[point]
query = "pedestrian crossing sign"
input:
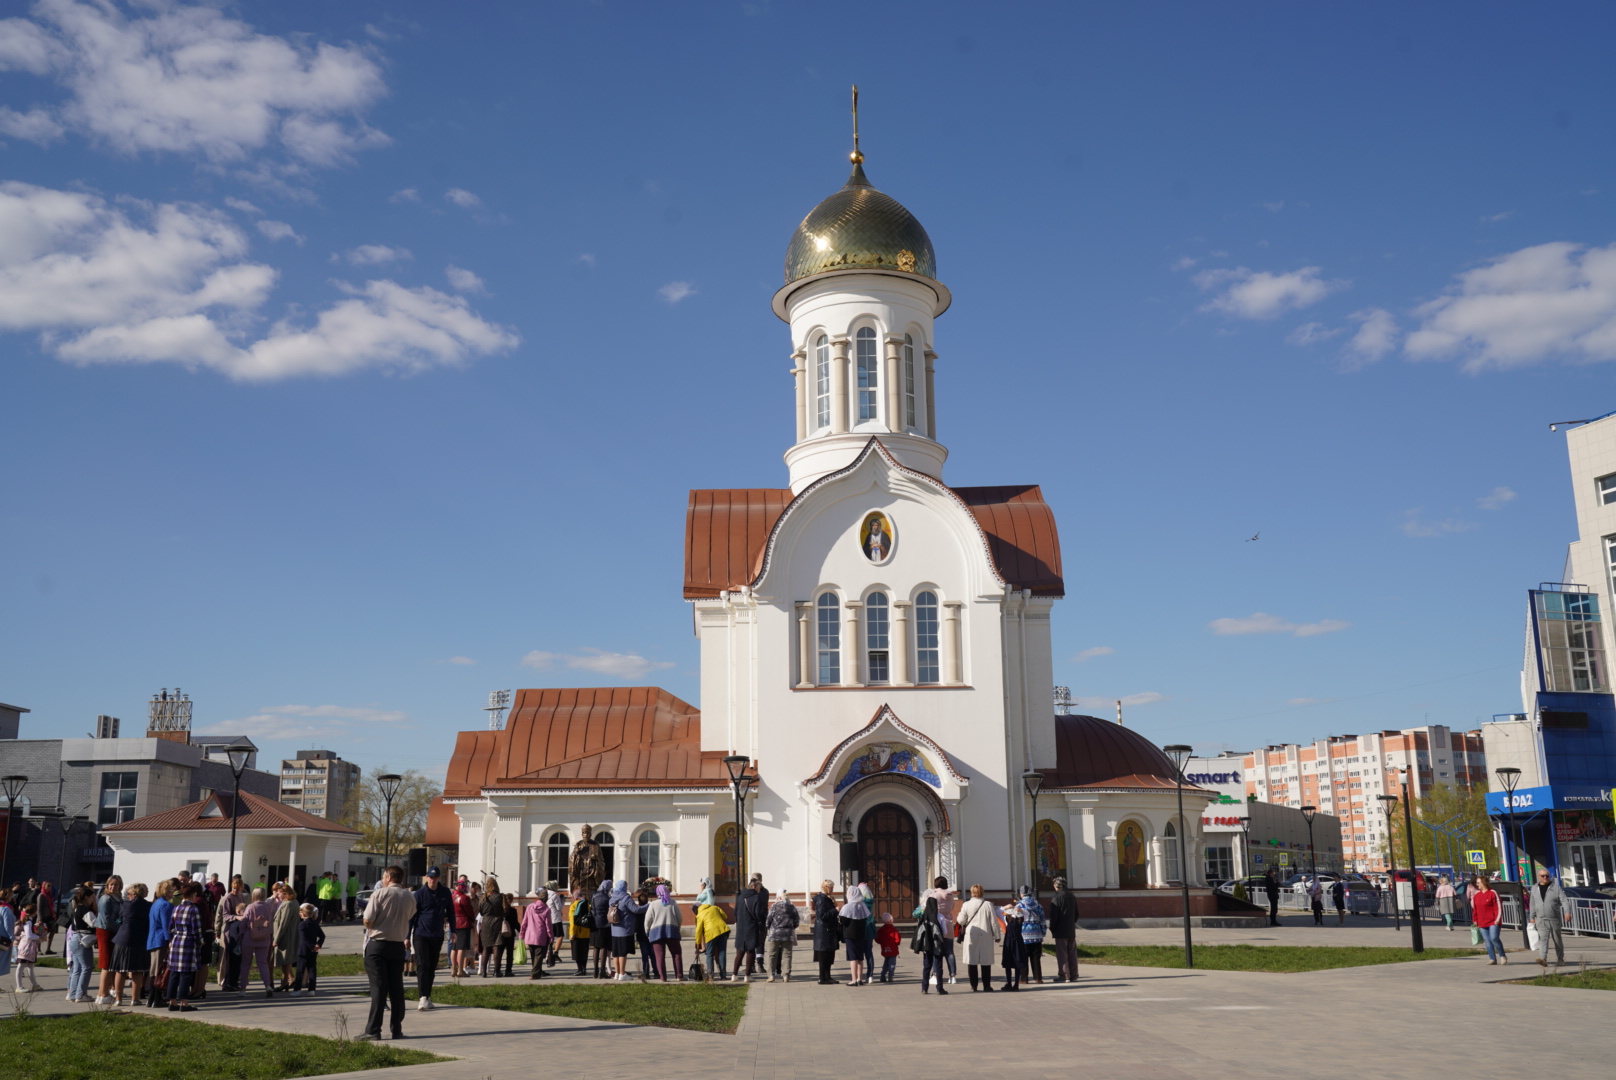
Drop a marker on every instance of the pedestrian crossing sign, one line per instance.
(1476, 858)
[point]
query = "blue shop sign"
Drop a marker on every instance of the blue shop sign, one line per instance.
(1551, 797)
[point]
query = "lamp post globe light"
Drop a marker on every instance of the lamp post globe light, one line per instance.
(239, 756)
(1308, 814)
(1388, 803)
(1032, 780)
(12, 785)
(738, 782)
(1179, 753)
(1511, 779)
(388, 785)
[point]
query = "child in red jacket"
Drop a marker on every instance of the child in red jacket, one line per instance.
(889, 939)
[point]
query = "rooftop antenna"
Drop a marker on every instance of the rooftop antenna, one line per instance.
(858, 155)
(1119, 711)
(498, 702)
(1063, 701)
(168, 716)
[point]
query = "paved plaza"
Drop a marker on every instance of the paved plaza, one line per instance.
(1132, 1023)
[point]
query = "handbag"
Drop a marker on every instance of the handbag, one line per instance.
(695, 973)
(519, 954)
(1475, 935)
(1532, 935)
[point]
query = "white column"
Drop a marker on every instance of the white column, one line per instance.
(893, 372)
(1108, 862)
(535, 869)
(898, 654)
(799, 373)
(851, 654)
(838, 385)
(952, 667)
(806, 641)
(931, 396)
(291, 863)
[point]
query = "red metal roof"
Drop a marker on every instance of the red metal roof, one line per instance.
(256, 812)
(442, 824)
(726, 532)
(1095, 753)
(635, 736)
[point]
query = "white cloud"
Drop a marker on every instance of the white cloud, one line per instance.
(462, 661)
(373, 255)
(35, 125)
(132, 282)
(675, 291)
(462, 198)
(327, 722)
(463, 281)
(587, 259)
(1149, 697)
(1538, 303)
(626, 666)
(1250, 294)
(1491, 219)
(1260, 622)
(1376, 336)
(279, 230)
(1496, 498)
(1306, 701)
(1184, 263)
(1415, 524)
(186, 79)
(1090, 654)
(405, 195)
(242, 204)
(1312, 333)
(1274, 207)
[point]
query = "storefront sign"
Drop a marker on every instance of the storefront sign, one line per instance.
(1234, 821)
(1213, 778)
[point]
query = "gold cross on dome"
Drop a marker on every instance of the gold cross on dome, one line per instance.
(857, 155)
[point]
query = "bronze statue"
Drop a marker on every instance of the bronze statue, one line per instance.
(587, 867)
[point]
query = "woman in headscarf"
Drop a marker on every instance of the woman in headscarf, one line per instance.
(712, 934)
(600, 938)
(1014, 956)
(259, 940)
(751, 919)
(490, 925)
(538, 932)
(781, 932)
(705, 894)
(870, 928)
(854, 918)
(827, 932)
(980, 932)
(628, 917)
(663, 923)
(1032, 934)
(287, 921)
(928, 942)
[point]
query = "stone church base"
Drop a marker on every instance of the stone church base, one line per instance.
(1100, 907)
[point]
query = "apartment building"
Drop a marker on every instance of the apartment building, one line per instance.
(1344, 775)
(319, 782)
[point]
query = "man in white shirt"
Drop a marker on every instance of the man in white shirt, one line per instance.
(388, 915)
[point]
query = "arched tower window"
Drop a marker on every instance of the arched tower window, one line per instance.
(876, 637)
(908, 380)
(556, 855)
(649, 856)
(822, 382)
(927, 651)
(869, 374)
(830, 624)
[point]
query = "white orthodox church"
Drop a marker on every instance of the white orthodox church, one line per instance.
(875, 644)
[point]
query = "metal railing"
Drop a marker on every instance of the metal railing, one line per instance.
(1593, 918)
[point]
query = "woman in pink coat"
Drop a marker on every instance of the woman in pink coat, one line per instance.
(537, 932)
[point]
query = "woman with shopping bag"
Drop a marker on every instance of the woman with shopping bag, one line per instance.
(537, 933)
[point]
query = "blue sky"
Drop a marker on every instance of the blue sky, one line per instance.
(354, 353)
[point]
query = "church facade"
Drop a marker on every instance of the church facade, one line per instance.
(875, 643)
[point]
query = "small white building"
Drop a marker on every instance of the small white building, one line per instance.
(273, 841)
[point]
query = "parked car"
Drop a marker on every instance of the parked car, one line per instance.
(1253, 884)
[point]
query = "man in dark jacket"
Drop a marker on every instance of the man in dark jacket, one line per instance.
(433, 921)
(751, 921)
(1063, 928)
(1271, 887)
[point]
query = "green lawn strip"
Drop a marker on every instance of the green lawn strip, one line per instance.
(692, 1006)
(1270, 958)
(95, 1045)
(1602, 979)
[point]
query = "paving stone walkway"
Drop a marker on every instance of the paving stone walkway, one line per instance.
(1124, 1023)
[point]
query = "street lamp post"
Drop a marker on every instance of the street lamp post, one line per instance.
(1032, 780)
(13, 786)
(1510, 778)
(388, 783)
(738, 782)
(1308, 814)
(1180, 753)
(238, 756)
(1414, 923)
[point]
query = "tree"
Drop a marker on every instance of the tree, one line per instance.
(1458, 809)
(368, 812)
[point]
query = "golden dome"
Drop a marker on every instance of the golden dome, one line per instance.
(859, 228)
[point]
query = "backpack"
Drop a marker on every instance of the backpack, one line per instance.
(614, 916)
(586, 915)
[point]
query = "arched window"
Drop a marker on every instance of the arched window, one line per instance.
(608, 848)
(822, 382)
(830, 633)
(869, 374)
(909, 380)
(876, 636)
(557, 853)
(1170, 853)
(927, 651)
(649, 856)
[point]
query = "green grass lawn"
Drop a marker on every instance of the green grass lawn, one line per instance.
(693, 1006)
(95, 1045)
(1275, 958)
(1577, 980)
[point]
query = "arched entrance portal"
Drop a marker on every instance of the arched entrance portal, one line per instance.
(889, 859)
